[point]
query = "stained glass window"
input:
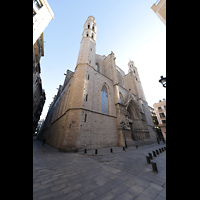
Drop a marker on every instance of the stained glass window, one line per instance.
(104, 100)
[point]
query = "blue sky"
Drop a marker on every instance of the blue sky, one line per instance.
(129, 28)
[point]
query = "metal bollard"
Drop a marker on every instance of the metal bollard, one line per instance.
(85, 151)
(136, 146)
(160, 150)
(157, 151)
(148, 159)
(123, 148)
(154, 166)
(111, 150)
(150, 156)
(154, 153)
(165, 148)
(95, 151)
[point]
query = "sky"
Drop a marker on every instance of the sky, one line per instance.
(129, 28)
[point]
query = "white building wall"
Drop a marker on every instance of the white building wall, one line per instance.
(41, 19)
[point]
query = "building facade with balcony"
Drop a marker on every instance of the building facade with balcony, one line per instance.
(38, 93)
(156, 125)
(42, 14)
(160, 110)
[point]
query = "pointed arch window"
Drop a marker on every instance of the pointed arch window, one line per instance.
(97, 67)
(120, 98)
(104, 100)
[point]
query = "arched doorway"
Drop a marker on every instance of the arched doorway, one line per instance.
(138, 129)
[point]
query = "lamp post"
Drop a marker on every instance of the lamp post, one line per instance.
(163, 81)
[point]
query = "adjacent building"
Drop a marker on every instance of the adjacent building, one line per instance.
(42, 14)
(94, 100)
(38, 93)
(160, 110)
(156, 125)
(160, 9)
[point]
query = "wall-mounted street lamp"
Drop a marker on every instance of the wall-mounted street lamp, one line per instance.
(163, 81)
(123, 125)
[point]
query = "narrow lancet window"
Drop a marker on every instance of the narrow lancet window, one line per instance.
(104, 100)
(85, 120)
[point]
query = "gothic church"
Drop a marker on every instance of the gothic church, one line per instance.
(95, 100)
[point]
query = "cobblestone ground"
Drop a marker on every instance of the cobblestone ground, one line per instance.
(121, 175)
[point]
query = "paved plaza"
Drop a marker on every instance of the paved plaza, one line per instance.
(121, 175)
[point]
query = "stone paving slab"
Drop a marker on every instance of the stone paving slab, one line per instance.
(118, 175)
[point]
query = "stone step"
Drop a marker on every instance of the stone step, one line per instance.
(139, 142)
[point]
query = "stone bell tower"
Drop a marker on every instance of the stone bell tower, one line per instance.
(137, 86)
(80, 100)
(88, 43)
(85, 61)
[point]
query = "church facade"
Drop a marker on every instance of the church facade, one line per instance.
(95, 100)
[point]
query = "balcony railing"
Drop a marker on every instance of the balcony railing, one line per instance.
(38, 4)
